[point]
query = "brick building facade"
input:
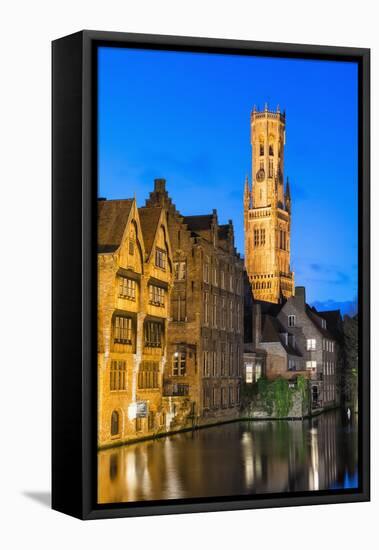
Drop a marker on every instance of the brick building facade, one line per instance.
(205, 335)
(318, 346)
(134, 283)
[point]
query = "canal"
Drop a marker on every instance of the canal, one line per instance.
(239, 458)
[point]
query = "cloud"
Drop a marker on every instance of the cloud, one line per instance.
(329, 273)
(348, 307)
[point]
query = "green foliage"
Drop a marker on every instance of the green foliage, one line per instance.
(303, 388)
(276, 396)
(266, 395)
(282, 397)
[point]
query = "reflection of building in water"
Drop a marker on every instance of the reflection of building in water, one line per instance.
(232, 459)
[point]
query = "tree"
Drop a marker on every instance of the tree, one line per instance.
(350, 373)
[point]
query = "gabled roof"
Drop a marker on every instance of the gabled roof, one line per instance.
(112, 219)
(272, 328)
(199, 223)
(332, 317)
(149, 218)
(311, 313)
(333, 322)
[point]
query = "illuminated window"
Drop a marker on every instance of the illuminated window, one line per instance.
(311, 365)
(249, 373)
(127, 288)
(180, 271)
(153, 334)
(311, 344)
(206, 363)
(118, 376)
(148, 375)
(160, 258)
(179, 363)
(215, 281)
(156, 295)
(122, 330)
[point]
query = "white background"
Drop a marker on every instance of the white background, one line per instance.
(26, 31)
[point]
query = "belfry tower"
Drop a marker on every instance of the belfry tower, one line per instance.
(267, 210)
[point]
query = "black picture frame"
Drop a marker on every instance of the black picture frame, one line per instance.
(74, 206)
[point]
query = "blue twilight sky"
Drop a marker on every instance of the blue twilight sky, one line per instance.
(186, 117)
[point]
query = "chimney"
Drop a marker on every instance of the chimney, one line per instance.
(300, 294)
(256, 324)
(159, 185)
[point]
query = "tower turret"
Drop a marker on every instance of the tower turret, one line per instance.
(288, 196)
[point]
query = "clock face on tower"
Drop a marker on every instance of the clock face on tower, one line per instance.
(260, 175)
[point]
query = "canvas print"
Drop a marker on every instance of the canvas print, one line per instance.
(227, 266)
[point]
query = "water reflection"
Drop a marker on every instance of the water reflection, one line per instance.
(234, 459)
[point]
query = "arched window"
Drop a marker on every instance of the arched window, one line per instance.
(261, 149)
(115, 423)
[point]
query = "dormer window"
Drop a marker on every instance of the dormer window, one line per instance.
(284, 336)
(323, 323)
(291, 320)
(160, 258)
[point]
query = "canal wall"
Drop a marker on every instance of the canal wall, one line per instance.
(275, 399)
